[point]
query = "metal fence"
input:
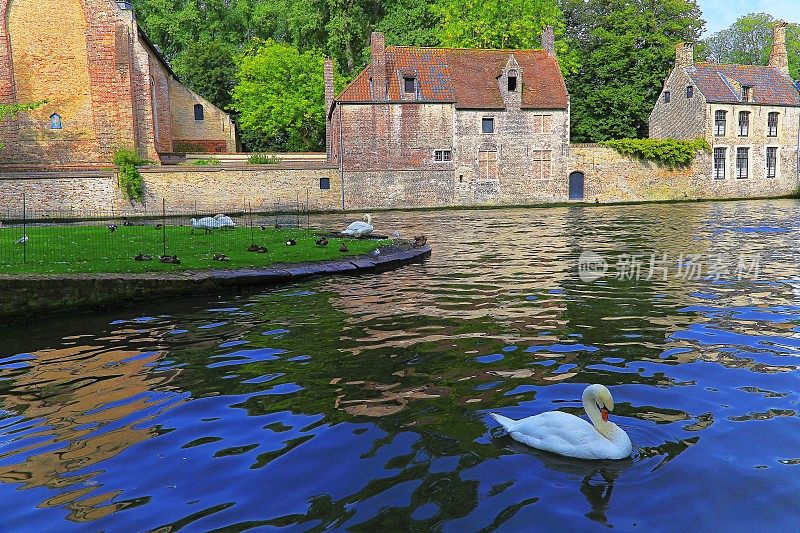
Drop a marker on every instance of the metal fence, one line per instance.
(56, 240)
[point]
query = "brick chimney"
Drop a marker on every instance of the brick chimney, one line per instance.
(684, 55)
(549, 40)
(378, 45)
(779, 57)
(329, 96)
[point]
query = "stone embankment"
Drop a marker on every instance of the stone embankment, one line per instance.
(24, 297)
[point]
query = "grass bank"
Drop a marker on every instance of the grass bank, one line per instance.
(89, 249)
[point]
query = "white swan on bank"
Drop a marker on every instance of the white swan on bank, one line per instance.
(225, 221)
(359, 228)
(569, 435)
(206, 224)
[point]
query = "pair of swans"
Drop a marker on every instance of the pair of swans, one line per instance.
(571, 436)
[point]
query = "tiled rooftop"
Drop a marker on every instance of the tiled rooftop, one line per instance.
(467, 78)
(723, 84)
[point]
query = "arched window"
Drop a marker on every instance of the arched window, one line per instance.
(55, 121)
(199, 113)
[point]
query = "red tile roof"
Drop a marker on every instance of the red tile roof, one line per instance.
(467, 78)
(723, 84)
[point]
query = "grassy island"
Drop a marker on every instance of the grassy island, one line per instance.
(67, 249)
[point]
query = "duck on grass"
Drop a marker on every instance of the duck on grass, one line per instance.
(93, 248)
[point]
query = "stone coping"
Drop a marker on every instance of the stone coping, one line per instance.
(27, 296)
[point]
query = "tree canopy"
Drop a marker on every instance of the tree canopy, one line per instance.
(748, 41)
(614, 53)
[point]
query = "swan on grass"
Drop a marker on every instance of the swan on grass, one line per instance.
(571, 436)
(206, 224)
(359, 228)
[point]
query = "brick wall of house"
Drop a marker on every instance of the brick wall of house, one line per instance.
(757, 139)
(519, 179)
(98, 72)
(682, 117)
(215, 133)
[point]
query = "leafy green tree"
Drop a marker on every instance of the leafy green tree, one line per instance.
(409, 23)
(208, 68)
(509, 24)
(626, 49)
(280, 98)
(749, 42)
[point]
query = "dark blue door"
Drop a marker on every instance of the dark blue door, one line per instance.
(576, 186)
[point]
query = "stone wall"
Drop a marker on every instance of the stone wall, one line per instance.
(612, 177)
(195, 189)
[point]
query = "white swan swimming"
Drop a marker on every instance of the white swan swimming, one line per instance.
(360, 228)
(569, 435)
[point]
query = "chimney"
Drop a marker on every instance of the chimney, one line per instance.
(549, 40)
(329, 95)
(779, 58)
(684, 55)
(378, 45)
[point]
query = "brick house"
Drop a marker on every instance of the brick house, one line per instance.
(749, 114)
(106, 85)
(443, 126)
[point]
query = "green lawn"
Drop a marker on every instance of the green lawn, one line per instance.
(56, 249)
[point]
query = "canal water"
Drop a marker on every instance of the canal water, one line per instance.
(362, 403)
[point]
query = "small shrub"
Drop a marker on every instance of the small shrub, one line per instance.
(130, 180)
(672, 153)
(207, 162)
(263, 159)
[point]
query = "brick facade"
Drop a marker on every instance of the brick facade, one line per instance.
(102, 78)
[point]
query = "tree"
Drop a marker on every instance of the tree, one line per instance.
(626, 48)
(280, 97)
(749, 42)
(207, 67)
(509, 24)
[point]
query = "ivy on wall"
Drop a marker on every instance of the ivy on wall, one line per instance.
(130, 180)
(672, 153)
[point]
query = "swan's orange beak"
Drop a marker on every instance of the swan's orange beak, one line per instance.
(604, 414)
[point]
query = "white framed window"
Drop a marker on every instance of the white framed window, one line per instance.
(720, 122)
(744, 123)
(772, 124)
(441, 156)
(720, 159)
(772, 162)
(742, 163)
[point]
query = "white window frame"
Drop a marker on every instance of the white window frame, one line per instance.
(714, 163)
(749, 163)
(777, 162)
(446, 155)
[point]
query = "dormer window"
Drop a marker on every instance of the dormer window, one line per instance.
(410, 85)
(512, 81)
(55, 121)
(747, 93)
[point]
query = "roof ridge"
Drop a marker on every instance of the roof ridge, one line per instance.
(459, 49)
(711, 63)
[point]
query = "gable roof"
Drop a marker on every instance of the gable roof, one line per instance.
(722, 84)
(466, 78)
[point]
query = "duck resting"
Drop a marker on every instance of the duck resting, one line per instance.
(360, 228)
(571, 436)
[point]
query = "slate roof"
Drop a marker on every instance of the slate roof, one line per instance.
(722, 84)
(467, 78)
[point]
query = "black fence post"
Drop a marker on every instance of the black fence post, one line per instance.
(24, 228)
(164, 224)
